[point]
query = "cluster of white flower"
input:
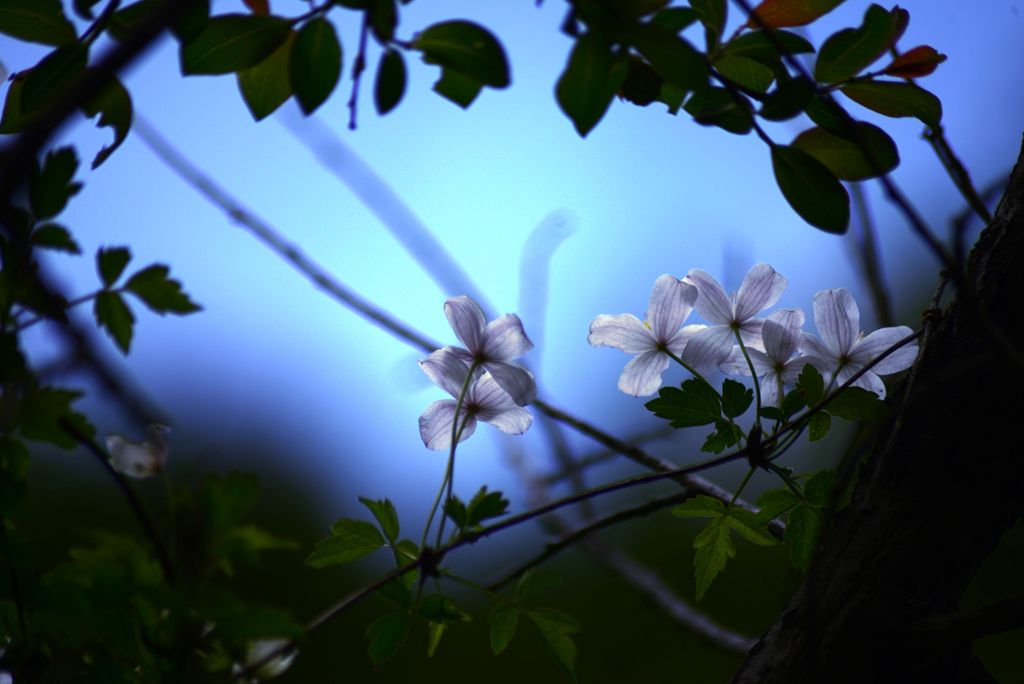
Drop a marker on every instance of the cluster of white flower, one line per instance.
(777, 346)
(492, 387)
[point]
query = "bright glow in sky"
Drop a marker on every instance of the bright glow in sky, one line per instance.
(645, 194)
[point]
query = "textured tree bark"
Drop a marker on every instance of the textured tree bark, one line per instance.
(931, 501)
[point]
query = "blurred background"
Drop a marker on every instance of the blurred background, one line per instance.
(273, 377)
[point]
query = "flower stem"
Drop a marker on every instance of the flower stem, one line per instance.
(753, 374)
(691, 370)
(743, 484)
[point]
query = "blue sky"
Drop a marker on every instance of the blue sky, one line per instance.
(272, 358)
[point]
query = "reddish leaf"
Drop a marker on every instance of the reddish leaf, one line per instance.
(260, 7)
(783, 13)
(915, 63)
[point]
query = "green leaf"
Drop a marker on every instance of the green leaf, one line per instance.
(557, 629)
(788, 99)
(745, 72)
(456, 512)
(384, 511)
(435, 630)
(696, 403)
(773, 503)
(714, 549)
(534, 582)
(397, 591)
(718, 107)
(811, 383)
(192, 19)
(802, 530)
(267, 85)
(53, 236)
(674, 19)
(783, 13)
(14, 463)
(113, 105)
(383, 15)
(485, 505)
(736, 398)
(408, 550)
(114, 315)
(724, 437)
(764, 48)
(38, 21)
(712, 14)
(110, 263)
(390, 84)
(503, 620)
(591, 78)
(315, 63)
(642, 85)
(53, 77)
(52, 185)
(231, 42)
(440, 608)
(42, 412)
(818, 489)
(748, 526)
(14, 119)
(674, 59)
(897, 100)
(159, 292)
(847, 159)
(350, 540)
(848, 52)
(457, 87)
(228, 499)
(701, 506)
(387, 635)
(466, 48)
(811, 189)
(854, 403)
(825, 112)
(793, 402)
(819, 426)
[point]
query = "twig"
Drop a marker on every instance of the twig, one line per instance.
(357, 72)
(867, 253)
(603, 455)
(990, 193)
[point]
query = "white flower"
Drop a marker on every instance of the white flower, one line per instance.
(139, 459)
(845, 350)
(484, 400)
(260, 649)
(729, 314)
(492, 345)
(670, 303)
(780, 363)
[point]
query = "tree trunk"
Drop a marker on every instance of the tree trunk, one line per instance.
(931, 502)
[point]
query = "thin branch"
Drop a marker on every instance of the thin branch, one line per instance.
(357, 72)
(961, 178)
(868, 259)
(961, 221)
(603, 455)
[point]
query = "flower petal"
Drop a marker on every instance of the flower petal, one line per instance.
(771, 389)
(838, 320)
(712, 302)
(750, 331)
(487, 397)
(876, 343)
(677, 343)
(514, 421)
(436, 425)
(514, 379)
(621, 331)
(670, 303)
(642, 375)
(812, 346)
(761, 288)
(466, 319)
(446, 370)
(504, 339)
(708, 348)
(736, 363)
(781, 334)
(869, 381)
(795, 366)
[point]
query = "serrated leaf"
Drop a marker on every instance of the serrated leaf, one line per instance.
(56, 237)
(159, 292)
(811, 383)
(387, 635)
(591, 78)
(818, 489)
(435, 630)
(848, 52)
(916, 62)
(267, 85)
(315, 65)
(802, 530)
(115, 317)
(113, 105)
(390, 84)
(466, 48)
(694, 404)
(485, 505)
(456, 512)
(897, 100)
(745, 72)
(847, 159)
(38, 21)
(811, 189)
(534, 582)
(42, 412)
(714, 549)
(783, 13)
(457, 87)
(350, 540)
(674, 59)
(557, 629)
(818, 426)
(385, 514)
(503, 620)
(111, 262)
(53, 185)
(773, 503)
(232, 42)
(736, 398)
(725, 435)
(397, 591)
(854, 403)
(440, 608)
(748, 526)
(701, 506)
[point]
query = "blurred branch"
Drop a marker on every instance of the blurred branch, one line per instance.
(868, 258)
(597, 457)
(961, 221)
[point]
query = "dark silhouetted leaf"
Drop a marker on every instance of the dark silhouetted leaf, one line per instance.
(503, 620)
(811, 189)
(53, 236)
(802, 530)
(746, 72)
(350, 540)
(788, 100)
(589, 82)
(112, 103)
(674, 59)
(818, 426)
(736, 398)
(231, 42)
(847, 159)
(766, 49)
(854, 403)
(897, 100)
(42, 412)
(694, 404)
(387, 635)
(52, 185)
(39, 21)
(674, 19)
(783, 13)
(52, 77)
(466, 48)
(387, 517)
(848, 52)
(557, 629)
(718, 107)
(115, 317)
(315, 65)
(159, 292)
(390, 85)
(916, 62)
(457, 87)
(267, 86)
(110, 263)
(811, 384)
